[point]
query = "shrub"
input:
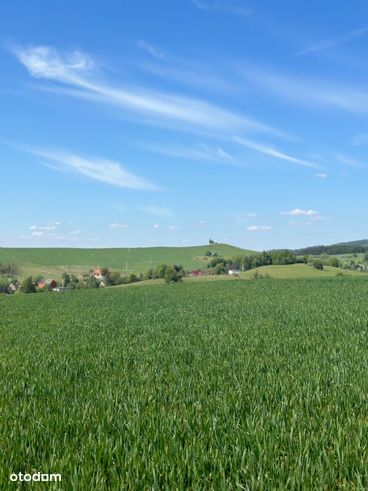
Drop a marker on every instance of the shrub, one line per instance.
(4, 285)
(28, 285)
(172, 275)
(318, 264)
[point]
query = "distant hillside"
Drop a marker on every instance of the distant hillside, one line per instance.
(355, 246)
(53, 261)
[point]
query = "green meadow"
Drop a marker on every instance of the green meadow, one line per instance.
(258, 384)
(53, 261)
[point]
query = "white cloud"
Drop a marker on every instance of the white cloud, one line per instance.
(75, 232)
(256, 228)
(118, 225)
(297, 212)
(37, 234)
(102, 170)
(332, 42)
(156, 226)
(222, 6)
(173, 227)
(251, 215)
(203, 152)
(157, 210)
(47, 227)
(152, 50)
(272, 152)
(321, 175)
(76, 71)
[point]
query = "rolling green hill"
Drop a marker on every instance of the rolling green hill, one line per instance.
(53, 261)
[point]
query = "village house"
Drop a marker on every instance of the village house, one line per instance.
(234, 271)
(47, 283)
(13, 287)
(97, 274)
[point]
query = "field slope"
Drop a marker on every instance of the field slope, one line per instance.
(53, 261)
(226, 385)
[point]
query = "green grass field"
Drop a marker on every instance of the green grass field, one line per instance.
(198, 386)
(53, 261)
(289, 272)
(299, 271)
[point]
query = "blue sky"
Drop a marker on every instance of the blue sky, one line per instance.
(137, 123)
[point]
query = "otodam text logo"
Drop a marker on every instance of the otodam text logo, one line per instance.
(35, 477)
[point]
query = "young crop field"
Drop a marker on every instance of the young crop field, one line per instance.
(210, 385)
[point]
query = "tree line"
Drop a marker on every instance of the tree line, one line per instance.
(357, 247)
(221, 265)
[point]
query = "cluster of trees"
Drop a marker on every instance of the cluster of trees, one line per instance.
(170, 274)
(221, 265)
(343, 263)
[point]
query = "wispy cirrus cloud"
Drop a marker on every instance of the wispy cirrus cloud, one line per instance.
(222, 6)
(151, 49)
(211, 153)
(118, 225)
(106, 171)
(272, 152)
(157, 210)
(321, 175)
(190, 73)
(351, 162)
(76, 75)
(360, 139)
(308, 91)
(332, 42)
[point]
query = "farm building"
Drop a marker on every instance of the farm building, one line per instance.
(197, 273)
(97, 274)
(234, 271)
(13, 287)
(48, 283)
